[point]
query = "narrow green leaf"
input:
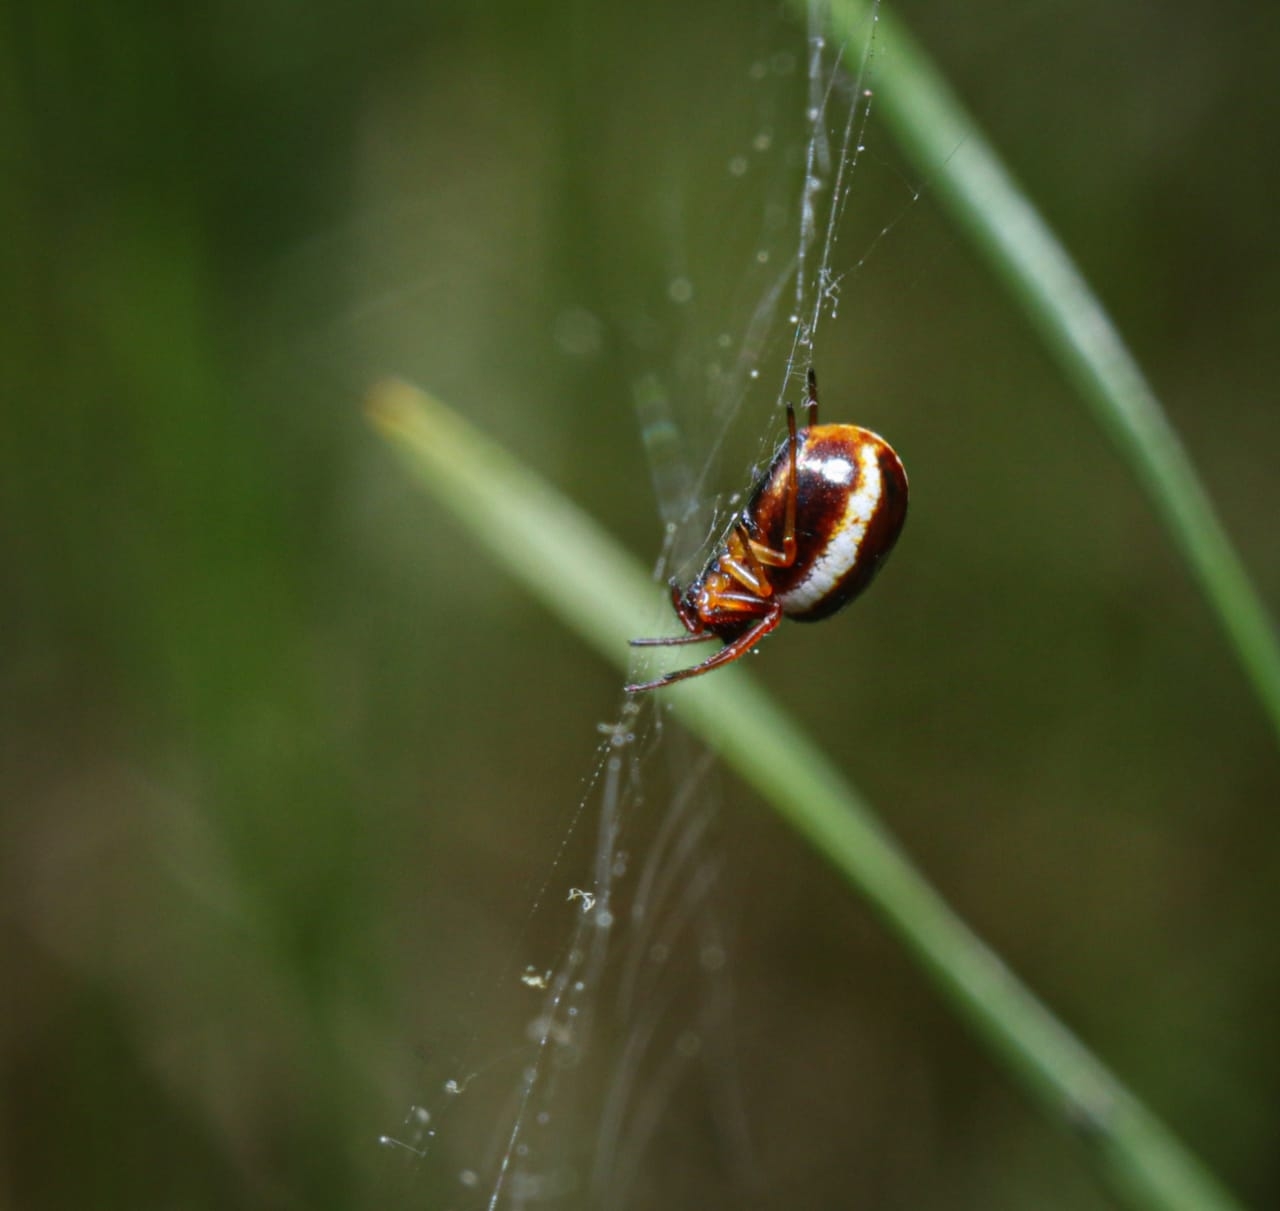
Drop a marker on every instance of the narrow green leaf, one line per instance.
(967, 177)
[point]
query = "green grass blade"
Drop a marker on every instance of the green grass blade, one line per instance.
(968, 178)
(580, 574)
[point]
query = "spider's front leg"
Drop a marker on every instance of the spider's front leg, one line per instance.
(698, 632)
(740, 646)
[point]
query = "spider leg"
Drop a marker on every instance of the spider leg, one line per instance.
(671, 641)
(731, 651)
(730, 606)
(741, 562)
(688, 618)
(813, 398)
(762, 552)
(698, 633)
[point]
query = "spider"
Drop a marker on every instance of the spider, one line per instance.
(820, 522)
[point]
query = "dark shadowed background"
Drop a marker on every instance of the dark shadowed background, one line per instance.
(285, 761)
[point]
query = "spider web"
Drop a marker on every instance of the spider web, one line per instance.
(631, 1014)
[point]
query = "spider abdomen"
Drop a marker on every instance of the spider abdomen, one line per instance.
(851, 502)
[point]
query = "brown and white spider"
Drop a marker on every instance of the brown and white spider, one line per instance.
(819, 524)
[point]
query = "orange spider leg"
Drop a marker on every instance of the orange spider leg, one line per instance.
(673, 641)
(731, 651)
(740, 561)
(728, 606)
(787, 556)
(692, 623)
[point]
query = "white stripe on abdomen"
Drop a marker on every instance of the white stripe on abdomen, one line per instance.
(841, 551)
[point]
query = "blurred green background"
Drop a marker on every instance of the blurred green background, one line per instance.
(285, 763)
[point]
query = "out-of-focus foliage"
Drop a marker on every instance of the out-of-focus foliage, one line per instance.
(284, 765)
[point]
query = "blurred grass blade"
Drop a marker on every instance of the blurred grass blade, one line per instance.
(966, 175)
(578, 572)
